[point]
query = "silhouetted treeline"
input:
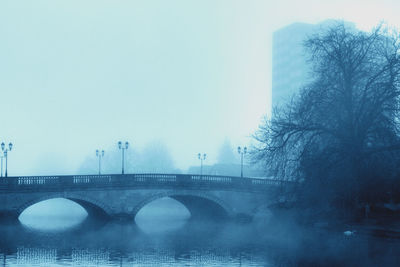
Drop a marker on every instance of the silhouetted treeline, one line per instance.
(154, 157)
(339, 137)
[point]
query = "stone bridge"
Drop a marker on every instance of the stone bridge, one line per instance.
(122, 196)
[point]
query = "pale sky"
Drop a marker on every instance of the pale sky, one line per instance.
(80, 75)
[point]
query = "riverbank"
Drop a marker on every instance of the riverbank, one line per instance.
(381, 223)
(324, 241)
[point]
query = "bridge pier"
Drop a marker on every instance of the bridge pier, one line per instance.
(120, 197)
(7, 216)
(122, 217)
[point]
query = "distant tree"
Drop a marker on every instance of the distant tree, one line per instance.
(111, 163)
(226, 153)
(156, 158)
(339, 137)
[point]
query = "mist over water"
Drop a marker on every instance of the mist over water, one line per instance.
(58, 214)
(59, 232)
(53, 215)
(162, 216)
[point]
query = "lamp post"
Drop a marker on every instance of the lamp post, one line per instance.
(201, 161)
(123, 153)
(100, 156)
(241, 152)
(5, 151)
(1, 165)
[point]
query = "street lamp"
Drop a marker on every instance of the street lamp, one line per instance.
(241, 152)
(123, 153)
(2, 156)
(5, 151)
(100, 156)
(201, 161)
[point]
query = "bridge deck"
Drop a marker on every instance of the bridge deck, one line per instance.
(146, 180)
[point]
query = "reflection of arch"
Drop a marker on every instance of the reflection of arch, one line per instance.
(93, 207)
(198, 204)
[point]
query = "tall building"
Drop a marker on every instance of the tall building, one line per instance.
(290, 70)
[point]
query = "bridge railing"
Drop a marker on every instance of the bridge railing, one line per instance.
(148, 180)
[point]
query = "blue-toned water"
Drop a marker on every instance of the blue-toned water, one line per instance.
(164, 235)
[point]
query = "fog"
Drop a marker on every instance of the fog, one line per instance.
(174, 78)
(164, 235)
(53, 215)
(76, 76)
(154, 157)
(59, 215)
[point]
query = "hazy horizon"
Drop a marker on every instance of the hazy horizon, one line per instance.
(77, 76)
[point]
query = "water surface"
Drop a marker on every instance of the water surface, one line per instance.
(163, 234)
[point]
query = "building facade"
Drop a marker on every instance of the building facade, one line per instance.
(290, 69)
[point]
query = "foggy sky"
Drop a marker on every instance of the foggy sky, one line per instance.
(80, 75)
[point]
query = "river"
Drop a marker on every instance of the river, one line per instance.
(164, 235)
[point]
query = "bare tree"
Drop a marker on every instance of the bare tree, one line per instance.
(344, 124)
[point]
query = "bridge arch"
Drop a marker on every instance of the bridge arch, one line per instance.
(199, 204)
(92, 206)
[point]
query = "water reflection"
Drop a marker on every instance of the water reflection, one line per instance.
(117, 244)
(56, 215)
(194, 243)
(162, 216)
(53, 215)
